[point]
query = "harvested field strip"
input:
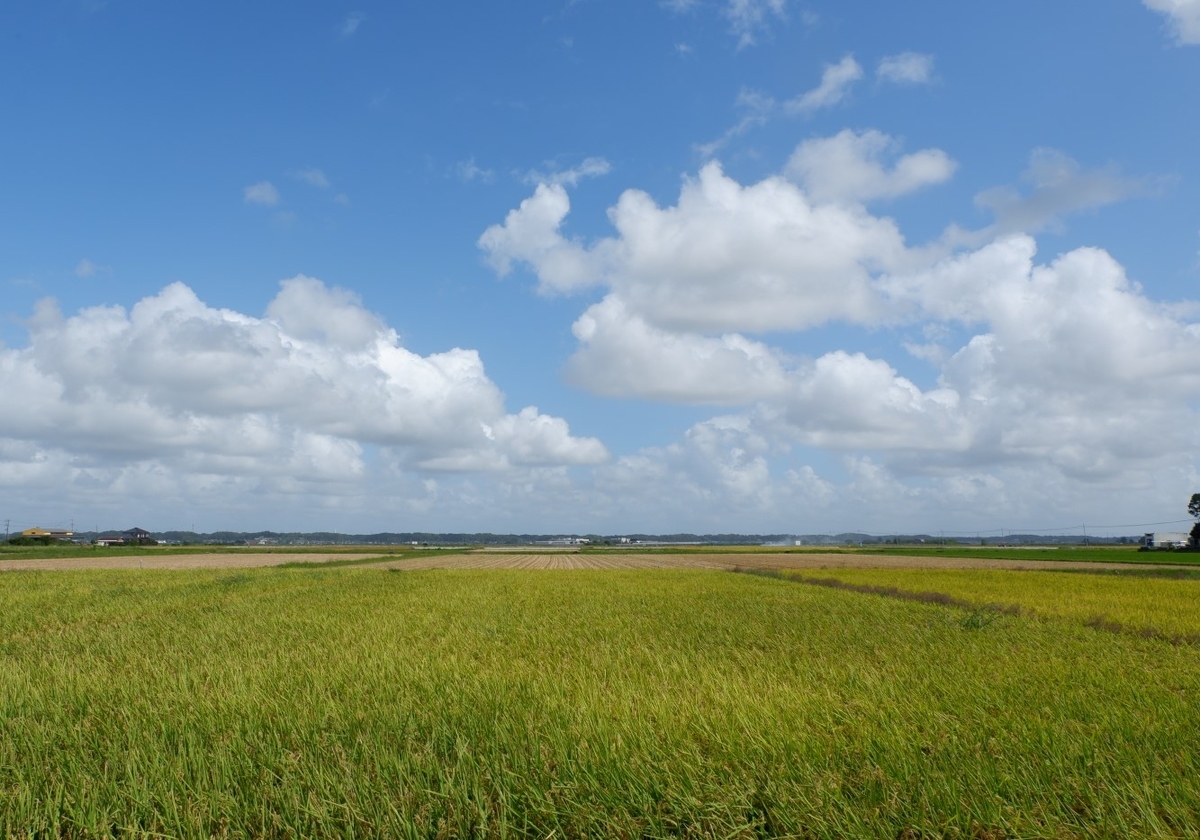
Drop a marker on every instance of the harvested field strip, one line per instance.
(1160, 607)
(339, 702)
(722, 560)
(573, 560)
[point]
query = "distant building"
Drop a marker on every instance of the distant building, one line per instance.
(52, 533)
(1166, 539)
(136, 534)
(107, 541)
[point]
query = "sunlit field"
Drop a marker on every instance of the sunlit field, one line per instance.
(1169, 606)
(361, 702)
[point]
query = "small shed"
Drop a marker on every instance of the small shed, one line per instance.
(1166, 539)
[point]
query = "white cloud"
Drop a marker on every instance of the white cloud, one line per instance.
(263, 193)
(351, 24)
(906, 68)
(312, 176)
(748, 18)
(1184, 16)
(621, 355)
(592, 167)
(193, 390)
(1067, 369)
(836, 81)
(850, 166)
(1059, 186)
(530, 234)
(725, 257)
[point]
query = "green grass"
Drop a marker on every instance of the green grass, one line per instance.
(356, 702)
(1166, 606)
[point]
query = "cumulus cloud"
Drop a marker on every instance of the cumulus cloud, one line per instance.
(297, 394)
(836, 81)
(1058, 186)
(530, 234)
(1064, 367)
(263, 193)
(621, 355)
(906, 68)
(851, 166)
(725, 257)
(1183, 15)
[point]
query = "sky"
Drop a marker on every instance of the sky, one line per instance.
(600, 266)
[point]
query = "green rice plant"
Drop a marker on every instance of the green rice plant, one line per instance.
(351, 702)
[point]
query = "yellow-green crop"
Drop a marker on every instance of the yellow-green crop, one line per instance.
(1170, 607)
(357, 702)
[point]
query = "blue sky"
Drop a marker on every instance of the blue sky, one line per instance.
(760, 265)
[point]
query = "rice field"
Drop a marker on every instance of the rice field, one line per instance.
(601, 703)
(1140, 604)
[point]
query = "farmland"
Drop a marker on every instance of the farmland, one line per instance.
(1138, 603)
(322, 701)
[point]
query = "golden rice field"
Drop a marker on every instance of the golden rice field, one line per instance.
(1139, 604)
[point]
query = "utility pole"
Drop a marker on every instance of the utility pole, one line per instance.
(7, 522)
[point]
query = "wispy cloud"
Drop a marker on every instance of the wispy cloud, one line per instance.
(748, 18)
(87, 268)
(351, 24)
(836, 82)
(1060, 186)
(1183, 15)
(591, 167)
(756, 108)
(263, 193)
(312, 176)
(468, 170)
(906, 68)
